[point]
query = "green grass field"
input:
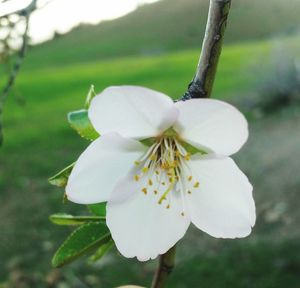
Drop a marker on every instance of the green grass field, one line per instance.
(167, 25)
(38, 142)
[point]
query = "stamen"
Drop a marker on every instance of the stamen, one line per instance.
(153, 157)
(145, 169)
(187, 157)
(167, 161)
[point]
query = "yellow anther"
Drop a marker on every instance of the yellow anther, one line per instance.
(168, 206)
(196, 185)
(175, 164)
(155, 192)
(144, 190)
(153, 157)
(137, 163)
(136, 177)
(189, 192)
(157, 172)
(164, 166)
(182, 214)
(150, 182)
(171, 179)
(163, 183)
(177, 177)
(145, 169)
(190, 178)
(187, 157)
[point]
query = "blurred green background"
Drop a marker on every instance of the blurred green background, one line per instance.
(157, 46)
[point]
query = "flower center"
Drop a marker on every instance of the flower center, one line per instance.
(164, 171)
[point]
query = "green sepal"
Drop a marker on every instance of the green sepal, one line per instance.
(98, 209)
(61, 178)
(192, 149)
(148, 141)
(66, 219)
(91, 94)
(82, 241)
(80, 121)
(102, 251)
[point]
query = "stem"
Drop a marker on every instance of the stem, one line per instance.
(165, 267)
(202, 84)
(200, 87)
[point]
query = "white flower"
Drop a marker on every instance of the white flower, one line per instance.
(154, 193)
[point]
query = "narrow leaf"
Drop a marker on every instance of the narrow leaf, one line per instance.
(83, 240)
(65, 219)
(80, 121)
(102, 251)
(61, 178)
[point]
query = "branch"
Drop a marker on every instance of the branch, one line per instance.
(21, 12)
(202, 84)
(20, 57)
(165, 267)
(200, 87)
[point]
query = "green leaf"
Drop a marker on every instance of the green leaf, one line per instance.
(91, 94)
(102, 251)
(65, 219)
(80, 121)
(83, 240)
(61, 178)
(98, 209)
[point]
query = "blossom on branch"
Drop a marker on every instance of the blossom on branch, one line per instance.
(184, 174)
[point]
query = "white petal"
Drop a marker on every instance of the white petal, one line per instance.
(100, 166)
(140, 226)
(213, 124)
(132, 111)
(223, 205)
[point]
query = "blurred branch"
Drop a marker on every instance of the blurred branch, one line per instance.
(202, 84)
(26, 12)
(165, 267)
(22, 12)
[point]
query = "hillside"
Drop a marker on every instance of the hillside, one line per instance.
(167, 25)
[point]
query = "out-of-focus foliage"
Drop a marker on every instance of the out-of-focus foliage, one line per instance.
(281, 84)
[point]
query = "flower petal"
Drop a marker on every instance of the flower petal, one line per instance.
(134, 112)
(100, 166)
(213, 124)
(223, 205)
(140, 226)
